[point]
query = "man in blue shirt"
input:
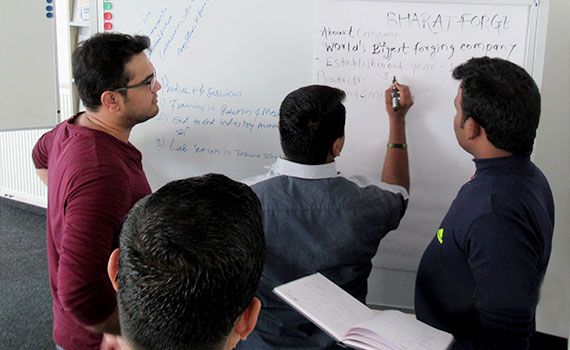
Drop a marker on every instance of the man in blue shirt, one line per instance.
(317, 220)
(479, 278)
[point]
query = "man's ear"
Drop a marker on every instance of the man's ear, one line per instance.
(113, 268)
(472, 128)
(112, 101)
(337, 146)
(246, 322)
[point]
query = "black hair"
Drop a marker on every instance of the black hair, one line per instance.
(311, 119)
(191, 257)
(504, 99)
(99, 64)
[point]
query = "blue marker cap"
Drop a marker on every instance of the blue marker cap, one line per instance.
(49, 8)
(49, 15)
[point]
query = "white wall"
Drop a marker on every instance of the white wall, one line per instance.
(552, 155)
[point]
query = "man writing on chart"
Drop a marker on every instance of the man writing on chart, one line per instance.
(190, 259)
(317, 220)
(480, 276)
(94, 176)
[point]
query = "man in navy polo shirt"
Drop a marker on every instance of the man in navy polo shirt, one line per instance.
(480, 276)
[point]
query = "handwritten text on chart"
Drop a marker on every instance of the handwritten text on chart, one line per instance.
(200, 90)
(172, 30)
(176, 104)
(357, 57)
(389, 50)
(434, 23)
(175, 145)
(183, 124)
(437, 23)
(190, 110)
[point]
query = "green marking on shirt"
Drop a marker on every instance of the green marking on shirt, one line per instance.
(440, 235)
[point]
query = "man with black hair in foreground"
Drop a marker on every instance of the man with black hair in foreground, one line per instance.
(480, 276)
(188, 266)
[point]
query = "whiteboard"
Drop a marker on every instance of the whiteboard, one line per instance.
(362, 45)
(225, 67)
(27, 53)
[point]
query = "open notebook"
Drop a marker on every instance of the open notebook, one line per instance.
(352, 323)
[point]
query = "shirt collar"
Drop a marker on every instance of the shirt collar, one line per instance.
(511, 163)
(304, 171)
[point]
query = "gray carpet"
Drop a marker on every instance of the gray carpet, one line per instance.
(25, 298)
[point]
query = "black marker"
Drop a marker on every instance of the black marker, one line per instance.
(395, 96)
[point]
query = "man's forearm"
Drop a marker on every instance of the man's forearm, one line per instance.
(43, 174)
(396, 167)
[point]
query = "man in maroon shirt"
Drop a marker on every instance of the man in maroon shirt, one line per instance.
(94, 176)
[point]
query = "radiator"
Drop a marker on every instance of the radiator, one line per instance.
(18, 179)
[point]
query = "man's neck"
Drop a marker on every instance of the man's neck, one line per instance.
(329, 159)
(491, 152)
(481, 148)
(97, 121)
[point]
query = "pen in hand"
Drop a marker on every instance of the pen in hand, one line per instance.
(395, 96)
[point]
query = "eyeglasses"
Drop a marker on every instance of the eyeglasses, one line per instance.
(151, 82)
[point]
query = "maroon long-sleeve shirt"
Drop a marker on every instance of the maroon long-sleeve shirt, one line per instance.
(93, 181)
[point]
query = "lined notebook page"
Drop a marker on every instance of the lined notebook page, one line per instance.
(325, 304)
(401, 331)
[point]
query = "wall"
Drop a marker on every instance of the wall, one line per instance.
(18, 179)
(552, 155)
